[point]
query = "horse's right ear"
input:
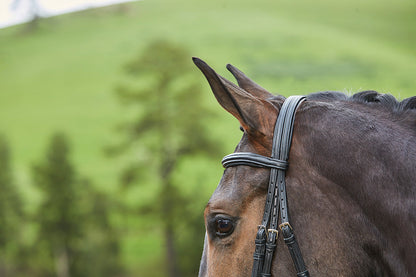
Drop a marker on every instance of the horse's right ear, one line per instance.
(252, 112)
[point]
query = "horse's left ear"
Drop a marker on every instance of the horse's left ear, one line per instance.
(253, 110)
(248, 84)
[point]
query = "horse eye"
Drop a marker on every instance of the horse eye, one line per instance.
(224, 227)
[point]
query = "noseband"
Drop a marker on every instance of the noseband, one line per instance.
(276, 196)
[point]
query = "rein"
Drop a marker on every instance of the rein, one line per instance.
(276, 201)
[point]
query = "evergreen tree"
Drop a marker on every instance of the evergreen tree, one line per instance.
(10, 215)
(169, 127)
(59, 216)
(71, 218)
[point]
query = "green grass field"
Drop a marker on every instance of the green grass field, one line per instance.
(63, 75)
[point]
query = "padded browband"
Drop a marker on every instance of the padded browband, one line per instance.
(251, 159)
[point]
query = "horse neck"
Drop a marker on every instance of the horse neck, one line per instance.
(372, 159)
(366, 163)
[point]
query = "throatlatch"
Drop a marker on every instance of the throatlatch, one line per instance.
(276, 196)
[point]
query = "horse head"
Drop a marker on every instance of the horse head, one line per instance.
(337, 184)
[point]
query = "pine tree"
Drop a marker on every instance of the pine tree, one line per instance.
(169, 127)
(75, 236)
(58, 216)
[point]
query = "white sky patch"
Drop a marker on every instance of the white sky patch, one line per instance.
(18, 11)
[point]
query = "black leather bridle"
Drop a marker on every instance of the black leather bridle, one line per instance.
(276, 196)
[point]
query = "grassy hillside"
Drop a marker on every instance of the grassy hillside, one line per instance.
(62, 76)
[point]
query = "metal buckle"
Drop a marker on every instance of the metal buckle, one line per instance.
(264, 228)
(285, 224)
(273, 231)
(261, 227)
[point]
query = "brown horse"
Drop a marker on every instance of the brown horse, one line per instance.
(350, 183)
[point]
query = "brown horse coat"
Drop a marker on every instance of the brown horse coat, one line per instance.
(350, 184)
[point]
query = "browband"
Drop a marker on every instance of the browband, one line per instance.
(251, 159)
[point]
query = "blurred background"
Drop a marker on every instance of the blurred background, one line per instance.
(110, 139)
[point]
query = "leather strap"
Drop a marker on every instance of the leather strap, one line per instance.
(251, 159)
(276, 195)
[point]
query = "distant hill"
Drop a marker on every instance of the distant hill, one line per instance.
(62, 75)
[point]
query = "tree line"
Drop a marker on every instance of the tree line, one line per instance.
(68, 234)
(71, 231)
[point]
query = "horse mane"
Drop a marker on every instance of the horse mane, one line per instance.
(403, 111)
(369, 97)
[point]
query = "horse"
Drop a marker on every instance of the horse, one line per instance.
(350, 183)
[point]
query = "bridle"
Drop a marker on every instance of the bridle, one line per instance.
(276, 196)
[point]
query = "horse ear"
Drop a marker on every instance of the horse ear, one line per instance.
(252, 112)
(248, 84)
